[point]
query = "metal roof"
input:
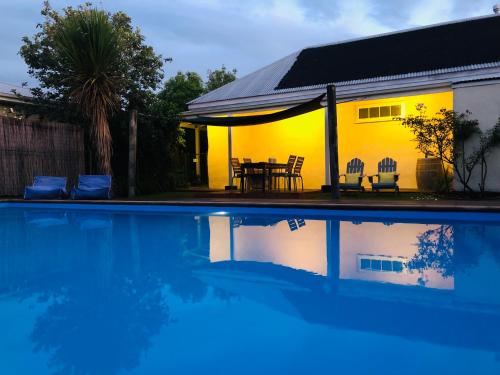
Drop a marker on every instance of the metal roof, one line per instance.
(260, 82)
(6, 89)
(266, 81)
(8, 92)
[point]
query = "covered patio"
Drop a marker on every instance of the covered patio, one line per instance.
(268, 138)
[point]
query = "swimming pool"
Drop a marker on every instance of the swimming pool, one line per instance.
(100, 289)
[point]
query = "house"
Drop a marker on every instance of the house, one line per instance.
(454, 65)
(9, 98)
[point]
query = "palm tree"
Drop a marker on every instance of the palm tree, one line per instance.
(88, 46)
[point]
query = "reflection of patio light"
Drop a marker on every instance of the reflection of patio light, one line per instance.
(220, 213)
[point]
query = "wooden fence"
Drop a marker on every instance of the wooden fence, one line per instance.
(29, 148)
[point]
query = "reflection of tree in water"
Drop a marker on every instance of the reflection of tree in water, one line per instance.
(102, 316)
(449, 249)
(96, 329)
(435, 251)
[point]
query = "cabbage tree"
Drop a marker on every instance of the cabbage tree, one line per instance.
(88, 45)
(90, 64)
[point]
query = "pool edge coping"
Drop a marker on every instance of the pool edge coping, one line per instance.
(319, 205)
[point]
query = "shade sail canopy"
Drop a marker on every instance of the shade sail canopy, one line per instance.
(300, 109)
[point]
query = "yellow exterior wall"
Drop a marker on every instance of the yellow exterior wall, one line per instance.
(372, 141)
(217, 157)
(304, 135)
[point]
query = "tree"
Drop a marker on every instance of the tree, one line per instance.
(140, 66)
(176, 93)
(57, 64)
(86, 44)
(444, 137)
(435, 251)
(487, 142)
(219, 77)
(163, 151)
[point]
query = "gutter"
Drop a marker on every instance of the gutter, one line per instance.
(280, 101)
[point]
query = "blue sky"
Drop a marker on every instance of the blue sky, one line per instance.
(246, 35)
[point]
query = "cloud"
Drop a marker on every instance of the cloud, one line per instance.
(204, 34)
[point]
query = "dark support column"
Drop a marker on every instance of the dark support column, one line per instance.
(132, 152)
(197, 148)
(333, 140)
(333, 253)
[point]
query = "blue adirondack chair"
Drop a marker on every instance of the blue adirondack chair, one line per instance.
(46, 187)
(353, 178)
(387, 177)
(92, 187)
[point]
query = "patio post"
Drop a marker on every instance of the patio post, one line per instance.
(333, 252)
(197, 151)
(229, 156)
(333, 145)
(328, 183)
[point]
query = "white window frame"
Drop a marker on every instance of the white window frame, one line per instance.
(381, 258)
(380, 119)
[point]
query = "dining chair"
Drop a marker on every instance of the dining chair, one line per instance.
(249, 170)
(237, 172)
(286, 173)
(297, 172)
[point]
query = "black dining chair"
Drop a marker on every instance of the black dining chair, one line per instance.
(286, 173)
(249, 170)
(237, 172)
(297, 172)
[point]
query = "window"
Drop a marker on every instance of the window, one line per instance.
(380, 113)
(381, 263)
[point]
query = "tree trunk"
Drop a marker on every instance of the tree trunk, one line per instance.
(102, 141)
(132, 152)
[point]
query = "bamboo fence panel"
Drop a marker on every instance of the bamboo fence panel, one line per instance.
(29, 148)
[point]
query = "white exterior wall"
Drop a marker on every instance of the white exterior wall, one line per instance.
(483, 100)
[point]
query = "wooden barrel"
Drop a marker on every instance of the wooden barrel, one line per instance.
(430, 176)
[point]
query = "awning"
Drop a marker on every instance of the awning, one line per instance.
(300, 109)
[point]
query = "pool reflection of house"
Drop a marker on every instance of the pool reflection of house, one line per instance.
(374, 251)
(371, 276)
(368, 251)
(275, 243)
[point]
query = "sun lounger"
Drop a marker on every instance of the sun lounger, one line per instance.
(46, 187)
(92, 187)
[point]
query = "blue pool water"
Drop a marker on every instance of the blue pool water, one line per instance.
(89, 289)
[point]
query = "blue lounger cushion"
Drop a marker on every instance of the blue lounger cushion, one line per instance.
(92, 187)
(46, 187)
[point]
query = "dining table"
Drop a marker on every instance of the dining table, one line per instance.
(265, 170)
